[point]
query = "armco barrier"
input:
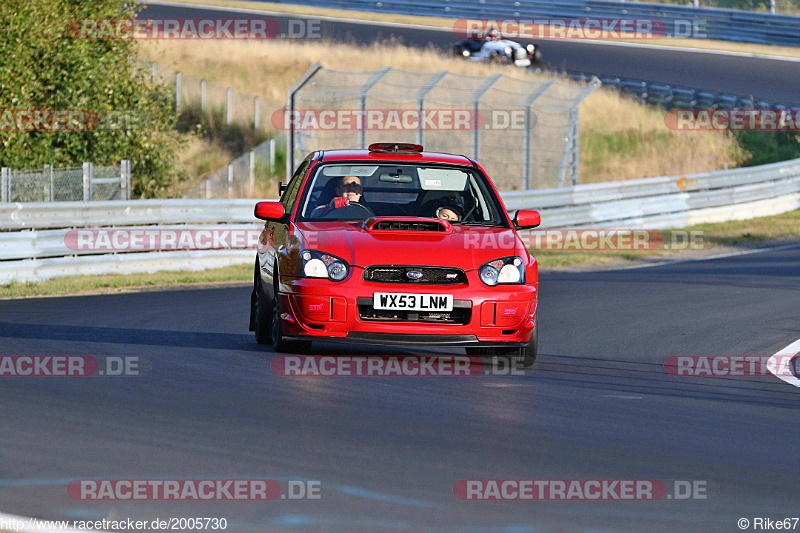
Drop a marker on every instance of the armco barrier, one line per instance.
(33, 247)
(681, 21)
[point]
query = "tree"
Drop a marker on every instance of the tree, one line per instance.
(114, 111)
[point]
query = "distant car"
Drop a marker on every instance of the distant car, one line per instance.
(395, 246)
(498, 51)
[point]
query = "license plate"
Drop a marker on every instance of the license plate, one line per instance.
(395, 301)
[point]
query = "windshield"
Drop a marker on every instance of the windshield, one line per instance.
(360, 191)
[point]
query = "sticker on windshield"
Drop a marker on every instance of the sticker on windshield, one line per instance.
(433, 183)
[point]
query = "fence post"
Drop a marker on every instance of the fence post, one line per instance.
(208, 189)
(5, 184)
(228, 110)
(362, 92)
(154, 71)
(87, 182)
(256, 112)
(476, 99)
(177, 92)
(575, 137)
(202, 96)
(230, 181)
(271, 145)
(125, 179)
(48, 169)
(251, 156)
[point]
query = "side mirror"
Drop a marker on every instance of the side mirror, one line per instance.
(527, 219)
(273, 211)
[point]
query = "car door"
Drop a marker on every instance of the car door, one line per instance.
(273, 239)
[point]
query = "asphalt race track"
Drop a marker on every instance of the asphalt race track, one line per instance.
(387, 451)
(770, 79)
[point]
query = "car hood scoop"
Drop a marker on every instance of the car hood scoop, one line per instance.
(407, 224)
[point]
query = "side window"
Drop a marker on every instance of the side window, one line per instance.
(290, 195)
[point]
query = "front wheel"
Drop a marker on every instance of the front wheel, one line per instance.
(279, 342)
(262, 313)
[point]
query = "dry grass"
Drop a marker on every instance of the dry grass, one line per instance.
(442, 22)
(620, 139)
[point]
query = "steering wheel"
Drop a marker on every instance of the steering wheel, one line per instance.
(350, 210)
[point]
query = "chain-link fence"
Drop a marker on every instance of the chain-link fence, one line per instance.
(216, 102)
(524, 132)
(85, 183)
(247, 176)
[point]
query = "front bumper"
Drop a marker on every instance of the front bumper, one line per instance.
(319, 309)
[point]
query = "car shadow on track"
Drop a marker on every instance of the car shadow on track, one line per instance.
(148, 337)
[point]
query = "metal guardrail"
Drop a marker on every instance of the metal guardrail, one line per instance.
(681, 21)
(663, 202)
(679, 96)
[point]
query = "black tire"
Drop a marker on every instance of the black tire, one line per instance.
(261, 322)
(279, 343)
(537, 56)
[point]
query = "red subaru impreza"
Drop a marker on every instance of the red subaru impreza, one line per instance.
(395, 246)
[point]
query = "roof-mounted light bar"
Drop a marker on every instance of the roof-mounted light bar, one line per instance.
(395, 148)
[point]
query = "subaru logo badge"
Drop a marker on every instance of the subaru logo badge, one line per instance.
(414, 274)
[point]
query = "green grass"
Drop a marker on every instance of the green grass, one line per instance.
(119, 282)
(768, 147)
(716, 235)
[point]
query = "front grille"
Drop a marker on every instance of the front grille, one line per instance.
(460, 315)
(402, 225)
(430, 275)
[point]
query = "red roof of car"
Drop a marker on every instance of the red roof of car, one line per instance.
(366, 155)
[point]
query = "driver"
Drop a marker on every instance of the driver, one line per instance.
(348, 191)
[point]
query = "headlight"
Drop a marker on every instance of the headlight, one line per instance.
(506, 270)
(314, 264)
(508, 50)
(530, 48)
(465, 53)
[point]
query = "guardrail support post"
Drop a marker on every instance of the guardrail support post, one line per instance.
(48, 169)
(5, 184)
(87, 182)
(177, 92)
(228, 106)
(251, 156)
(202, 96)
(256, 113)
